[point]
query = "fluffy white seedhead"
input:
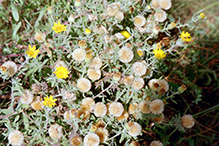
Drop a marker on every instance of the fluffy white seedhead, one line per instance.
(84, 84)
(16, 138)
(55, 131)
(100, 109)
(160, 16)
(165, 4)
(139, 68)
(135, 129)
(157, 106)
(26, 97)
(188, 121)
(116, 109)
(88, 104)
(125, 55)
(79, 54)
(91, 139)
(138, 83)
(139, 21)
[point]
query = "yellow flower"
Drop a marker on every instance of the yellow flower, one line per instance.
(58, 27)
(32, 52)
(185, 36)
(61, 72)
(49, 101)
(87, 31)
(126, 34)
(173, 24)
(202, 15)
(158, 53)
(140, 52)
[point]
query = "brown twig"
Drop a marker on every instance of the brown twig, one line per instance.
(208, 129)
(6, 116)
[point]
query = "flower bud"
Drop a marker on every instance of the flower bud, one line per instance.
(117, 76)
(181, 89)
(71, 18)
(93, 128)
(77, 3)
(201, 16)
(49, 10)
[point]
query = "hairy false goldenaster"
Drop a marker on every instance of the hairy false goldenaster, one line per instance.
(61, 72)
(158, 53)
(32, 52)
(185, 36)
(49, 101)
(58, 27)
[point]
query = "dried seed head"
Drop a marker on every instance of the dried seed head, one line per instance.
(111, 10)
(73, 113)
(159, 119)
(100, 109)
(155, 4)
(96, 63)
(16, 138)
(79, 54)
(36, 87)
(123, 117)
(163, 86)
(156, 143)
(88, 104)
(157, 106)
(66, 115)
(139, 21)
(55, 131)
(125, 55)
(119, 16)
(144, 106)
(10, 67)
(117, 76)
(135, 129)
(133, 108)
(103, 134)
(165, 4)
(138, 83)
(153, 84)
(67, 95)
(86, 114)
(188, 121)
(37, 103)
(99, 124)
(116, 109)
(160, 16)
(82, 43)
(40, 37)
(91, 139)
(26, 97)
(76, 141)
(139, 68)
(84, 84)
(128, 80)
(94, 74)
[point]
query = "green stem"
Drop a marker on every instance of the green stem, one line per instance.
(171, 133)
(207, 110)
(209, 6)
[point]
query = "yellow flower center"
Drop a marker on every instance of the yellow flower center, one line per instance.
(31, 53)
(58, 28)
(140, 53)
